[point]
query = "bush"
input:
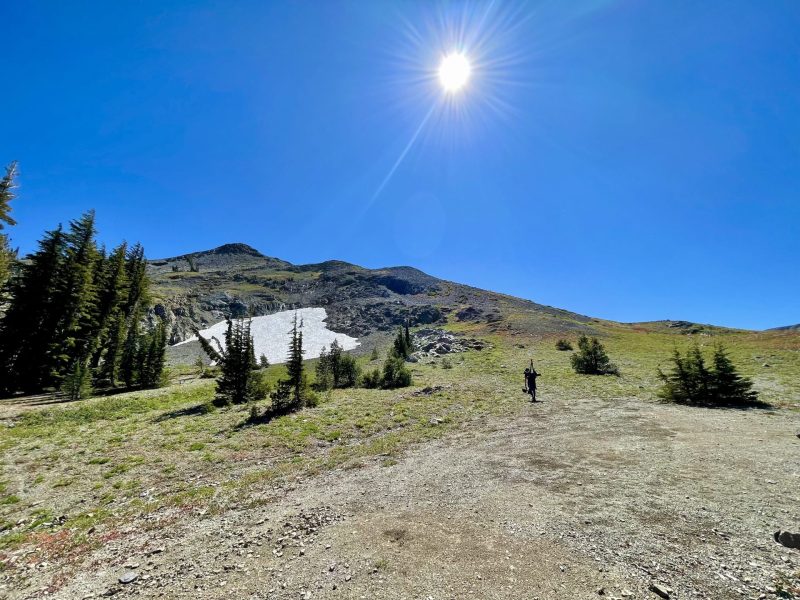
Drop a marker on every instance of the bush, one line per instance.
(284, 400)
(371, 379)
(336, 369)
(591, 358)
(446, 364)
(563, 345)
(692, 382)
(395, 374)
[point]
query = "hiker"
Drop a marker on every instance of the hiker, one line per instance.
(530, 382)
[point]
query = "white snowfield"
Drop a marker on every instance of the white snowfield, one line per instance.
(272, 334)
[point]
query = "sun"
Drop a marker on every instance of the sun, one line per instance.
(454, 72)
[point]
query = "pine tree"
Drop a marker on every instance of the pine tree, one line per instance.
(28, 326)
(77, 383)
(7, 186)
(152, 356)
(395, 374)
(239, 382)
(111, 316)
(402, 344)
(75, 312)
(112, 291)
(7, 255)
(591, 358)
(132, 310)
(692, 382)
(324, 371)
(76, 298)
(728, 387)
(294, 366)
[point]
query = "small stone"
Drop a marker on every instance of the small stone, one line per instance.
(659, 590)
(129, 577)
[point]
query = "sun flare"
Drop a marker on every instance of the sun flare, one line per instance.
(454, 72)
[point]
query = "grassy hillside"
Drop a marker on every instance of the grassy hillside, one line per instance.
(70, 468)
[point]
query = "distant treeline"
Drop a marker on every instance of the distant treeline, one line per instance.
(75, 314)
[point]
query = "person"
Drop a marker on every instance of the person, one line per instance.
(530, 382)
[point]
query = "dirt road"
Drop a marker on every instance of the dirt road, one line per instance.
(577, 499)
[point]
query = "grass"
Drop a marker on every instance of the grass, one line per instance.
(102, 454)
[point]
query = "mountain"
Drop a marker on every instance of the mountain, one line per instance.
(201, 288)
(786, 328)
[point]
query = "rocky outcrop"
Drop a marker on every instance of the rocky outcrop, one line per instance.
(431, 343)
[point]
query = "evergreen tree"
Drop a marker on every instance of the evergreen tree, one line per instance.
(692, 382)
(730, 388)
(395, 374)
(238, 382)
(132, 309)
(152, 356)
(294, 366)
(77, 383)
(7, 255)
(263, 361)
(402, 344)
(112, 291)
(335, 369)
(29, 324)
(129, 358)
(591, 358)
(76, 298)
(111, 316)
(7, 186)
(324, 371)
(74, 313)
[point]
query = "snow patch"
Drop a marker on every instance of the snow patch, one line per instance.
(272, 334)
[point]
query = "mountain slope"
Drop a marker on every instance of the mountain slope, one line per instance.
(786, 328)
(198, 289)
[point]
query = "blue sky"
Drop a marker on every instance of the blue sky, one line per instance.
(624, 159)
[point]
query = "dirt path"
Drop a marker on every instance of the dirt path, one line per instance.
(579, 499)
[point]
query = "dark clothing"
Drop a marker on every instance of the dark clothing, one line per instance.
(530, 383)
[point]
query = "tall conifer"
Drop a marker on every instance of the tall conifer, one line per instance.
(7, 255)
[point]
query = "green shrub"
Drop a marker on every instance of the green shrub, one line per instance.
(395, 374)
(591, 358)
(371, 379)
(563, 345)
(335, 369)
(446, 364)
(692, 382)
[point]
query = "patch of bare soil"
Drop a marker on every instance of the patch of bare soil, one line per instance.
(579, 499)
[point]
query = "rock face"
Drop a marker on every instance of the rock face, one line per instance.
(431, 343)
(199, 289)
